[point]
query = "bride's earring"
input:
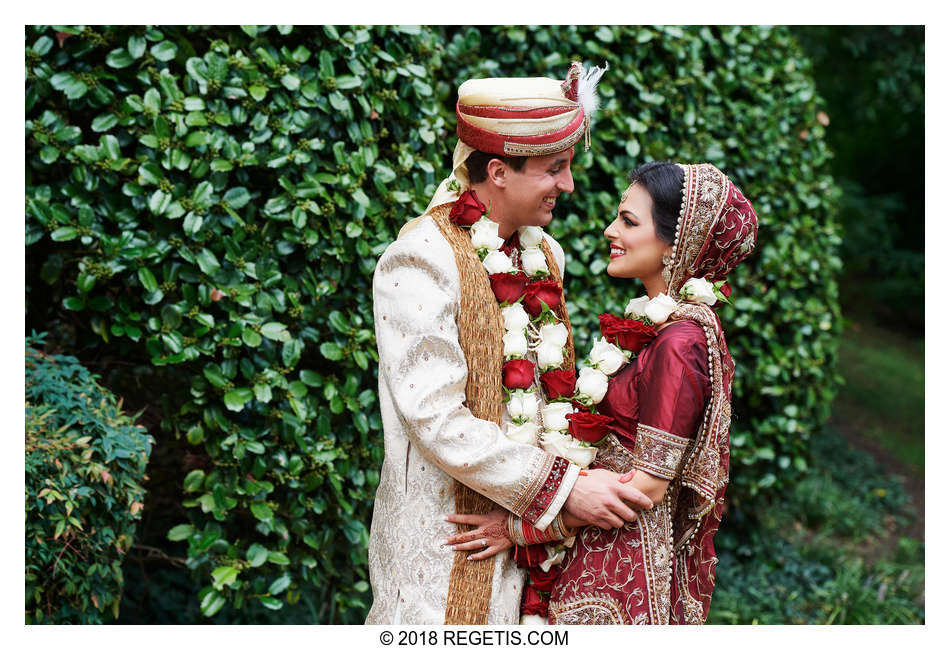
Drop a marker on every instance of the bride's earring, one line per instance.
(667, 273)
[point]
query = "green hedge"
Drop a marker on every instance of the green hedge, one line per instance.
(214, 199)
(85, 473)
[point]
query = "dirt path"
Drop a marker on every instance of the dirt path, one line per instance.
(913, 480)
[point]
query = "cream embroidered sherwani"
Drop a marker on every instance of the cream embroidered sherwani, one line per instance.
(432, 439)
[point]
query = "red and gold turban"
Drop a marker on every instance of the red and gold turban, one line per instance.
(512, 116)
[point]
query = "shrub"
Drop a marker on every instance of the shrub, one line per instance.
(214, 199)
(85, 468)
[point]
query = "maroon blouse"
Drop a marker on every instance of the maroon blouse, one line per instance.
(666, 387)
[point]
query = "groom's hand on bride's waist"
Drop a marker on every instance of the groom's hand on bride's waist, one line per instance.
(600, 499)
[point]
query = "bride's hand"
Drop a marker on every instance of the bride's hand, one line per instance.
(491, 536)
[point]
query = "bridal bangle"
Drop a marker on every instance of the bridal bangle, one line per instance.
(524, 534)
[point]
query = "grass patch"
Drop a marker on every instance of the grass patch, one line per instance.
(883, 395)
(828, 553)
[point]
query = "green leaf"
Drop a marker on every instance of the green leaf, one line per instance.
(136, 46)
(279, 585)
(311, 378)
(275, 331)
(215, 376)
(66, 233)
(275, 557)
(194, 480)
(250, 337)
(164, 51)
(262, 511)
(73, 303)
(212, 603)
(271, 603)
(207, 262)
(224, 576)
(236, 399)
(331, 351)
(181, 532)
(256, 555)
(237, 197)
(119, 58)
(147, 278)
(105, 122)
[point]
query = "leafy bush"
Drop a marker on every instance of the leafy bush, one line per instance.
(85, 468)
(209, 203)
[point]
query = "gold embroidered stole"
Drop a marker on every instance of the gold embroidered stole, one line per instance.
(480, 327)
(702, 469)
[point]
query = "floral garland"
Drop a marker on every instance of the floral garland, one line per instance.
(528, 298)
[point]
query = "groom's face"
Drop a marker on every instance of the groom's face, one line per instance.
(531, 194)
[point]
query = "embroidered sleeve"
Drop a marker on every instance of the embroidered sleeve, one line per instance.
(658, 452)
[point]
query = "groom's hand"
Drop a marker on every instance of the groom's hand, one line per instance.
(598, 498)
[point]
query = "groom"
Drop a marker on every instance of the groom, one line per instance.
(439, 331)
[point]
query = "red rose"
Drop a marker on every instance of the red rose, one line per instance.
(626, 333)
(588, 427)
(517, 373)
(559, 383)
(725, 289)
(544, 580)
(467, 210)
(508, 286)
(534, 603)
(547, 291)
(529, 556)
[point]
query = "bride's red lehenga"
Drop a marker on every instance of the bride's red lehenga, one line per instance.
(672, 410)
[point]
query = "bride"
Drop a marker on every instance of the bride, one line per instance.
(679, 229)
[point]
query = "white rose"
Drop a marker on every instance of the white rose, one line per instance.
(497, 262)
(550, 355)
(516, 318)
(565, 446)
(579, 454)
(516, 344)
(593, 383)
(530, 236)
(555, 442)
(556, 554)
(522, 405)
(485, 235)
(699, 290)
(553, 415)
(526, 433)
(606, 357)
(533, 619)
(636, 306)
(532, 259)
(554, 334)
(660, 308)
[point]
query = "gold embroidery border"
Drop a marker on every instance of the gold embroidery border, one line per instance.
(653, 445)
(588, 609)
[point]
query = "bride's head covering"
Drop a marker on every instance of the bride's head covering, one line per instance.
(716, 229)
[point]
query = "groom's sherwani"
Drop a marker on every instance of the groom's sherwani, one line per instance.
(432, 438)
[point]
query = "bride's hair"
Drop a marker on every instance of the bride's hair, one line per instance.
(663, 181)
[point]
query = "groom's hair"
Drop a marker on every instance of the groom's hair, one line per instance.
(663, 181)
(477, 164)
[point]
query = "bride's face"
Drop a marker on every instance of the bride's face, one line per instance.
(635, 250)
